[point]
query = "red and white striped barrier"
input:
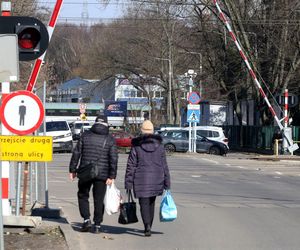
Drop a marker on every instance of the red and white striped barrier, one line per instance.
(38, 63)
(252, 73)
(287, 136)
(286, 103)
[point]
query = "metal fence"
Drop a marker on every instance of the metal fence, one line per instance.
(254, 138)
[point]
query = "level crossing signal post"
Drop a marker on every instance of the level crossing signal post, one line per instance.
(31, 42)
(291, 146)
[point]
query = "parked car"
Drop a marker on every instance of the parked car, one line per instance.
(76, 128)
(123, 139)
(212, 133)
(85, 128)
(178, 141)
(61, 133)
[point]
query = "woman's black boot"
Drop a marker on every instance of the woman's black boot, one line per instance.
(147, 230)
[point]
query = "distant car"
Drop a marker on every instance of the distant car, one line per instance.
(210, 132)
(85, 128)
(123, 139)
(61, 133)
(76, 128)
(178, 141)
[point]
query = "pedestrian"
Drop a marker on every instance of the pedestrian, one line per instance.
(147, 172)
(277, 136)
(95, 145)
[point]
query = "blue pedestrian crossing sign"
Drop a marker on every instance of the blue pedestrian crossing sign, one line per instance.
(193, 113)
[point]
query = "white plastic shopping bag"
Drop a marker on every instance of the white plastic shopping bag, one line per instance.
(112, 199)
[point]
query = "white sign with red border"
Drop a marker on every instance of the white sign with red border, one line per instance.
(22, 112)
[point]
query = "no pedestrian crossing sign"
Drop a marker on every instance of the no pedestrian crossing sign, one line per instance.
(22, 112)
(193, 113)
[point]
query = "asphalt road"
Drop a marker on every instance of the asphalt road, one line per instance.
(223, 203)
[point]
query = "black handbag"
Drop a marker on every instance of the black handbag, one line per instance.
(89, 171)
(128, 211)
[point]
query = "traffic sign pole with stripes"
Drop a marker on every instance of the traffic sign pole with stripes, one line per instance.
(38, 63)
(5, 165)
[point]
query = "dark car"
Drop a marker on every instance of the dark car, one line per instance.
(123, 139)
(178, 141)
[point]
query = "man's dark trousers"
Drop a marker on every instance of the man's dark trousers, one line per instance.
(99, 189)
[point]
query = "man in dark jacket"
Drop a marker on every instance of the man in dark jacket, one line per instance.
(147, 172)
(95, 145)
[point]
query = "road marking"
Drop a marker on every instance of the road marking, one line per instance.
(212, 161)
(195, 176)
(277, 172)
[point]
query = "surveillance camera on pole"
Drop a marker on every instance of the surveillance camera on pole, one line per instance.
(33, 38)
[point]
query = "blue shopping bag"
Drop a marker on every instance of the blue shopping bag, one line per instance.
(168, 210)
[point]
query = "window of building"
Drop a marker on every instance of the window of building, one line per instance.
(133, 93)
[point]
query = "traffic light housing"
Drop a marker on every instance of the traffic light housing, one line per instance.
(33, 37)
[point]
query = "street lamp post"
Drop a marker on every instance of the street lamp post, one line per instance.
(170, 117)
(200, 68)
(170, 91)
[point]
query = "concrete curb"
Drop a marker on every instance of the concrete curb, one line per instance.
(70, 236)
(22, 221)
(248, 156)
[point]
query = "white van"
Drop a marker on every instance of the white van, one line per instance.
(61, 133)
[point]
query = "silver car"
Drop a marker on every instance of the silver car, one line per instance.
(178, 141)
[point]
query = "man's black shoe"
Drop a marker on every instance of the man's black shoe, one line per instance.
(97, 229)
(86, 226)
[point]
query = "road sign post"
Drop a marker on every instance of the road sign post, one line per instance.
(193, 117)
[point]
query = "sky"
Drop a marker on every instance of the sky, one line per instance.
(72, 10)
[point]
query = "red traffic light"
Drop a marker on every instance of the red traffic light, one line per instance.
(32, 35)
(29, 38)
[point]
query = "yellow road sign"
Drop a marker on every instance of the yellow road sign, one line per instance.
(25, 148)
